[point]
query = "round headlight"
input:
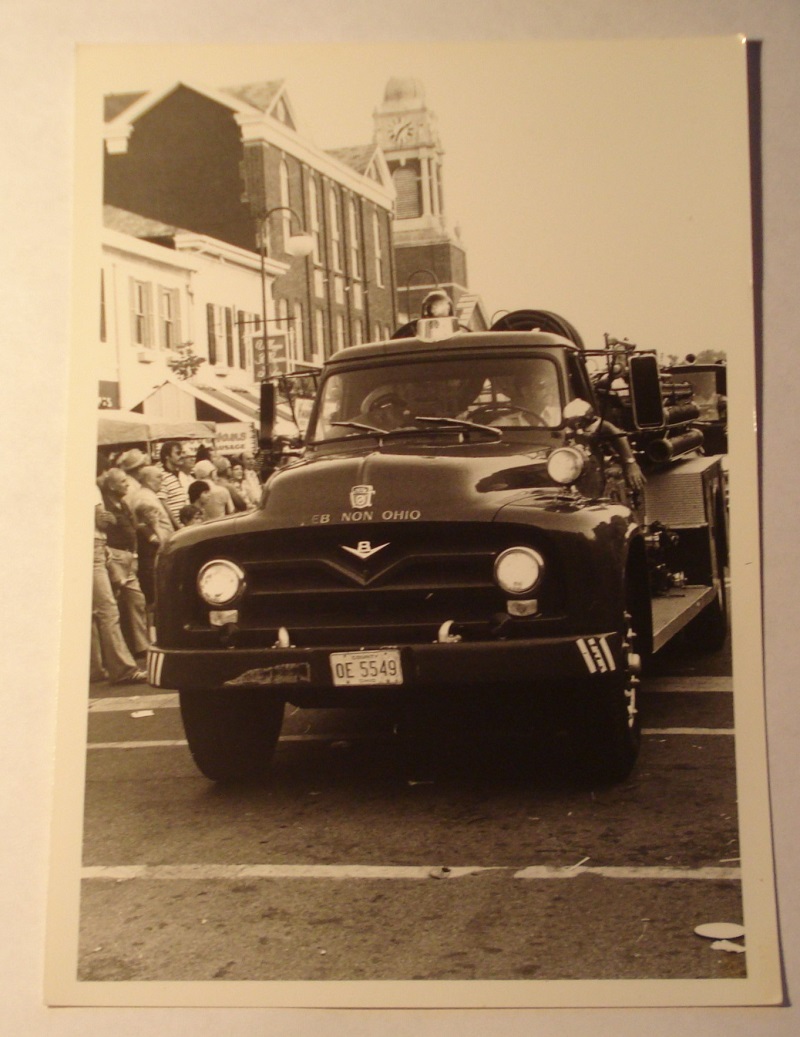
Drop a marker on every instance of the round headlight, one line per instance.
(565, 465)
(517, 570)
(219, 582)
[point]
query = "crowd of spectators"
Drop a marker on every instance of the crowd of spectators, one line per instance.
(139, 505)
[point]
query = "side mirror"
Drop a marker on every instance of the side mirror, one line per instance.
(646, 397)
(578, 414)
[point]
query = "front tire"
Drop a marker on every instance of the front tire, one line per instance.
(231, 734)
(611, 732)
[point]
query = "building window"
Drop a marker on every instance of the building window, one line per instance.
(358, 332)
(229, 336)
(241, 325)
(280, 339)
(168, 318)
(376, 238)
(102, 306)
(407, 181)
(313, 208)
(211, 327)
(286, 217)
(340, 343)
(336, 230)
(298, 334)
(319, 334)
(355, 245)
(141, 313)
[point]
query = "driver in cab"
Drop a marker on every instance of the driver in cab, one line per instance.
(384, 409)
(527, 399)
(534, 399)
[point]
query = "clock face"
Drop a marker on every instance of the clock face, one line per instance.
(401, 130)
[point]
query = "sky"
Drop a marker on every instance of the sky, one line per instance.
(607, 181)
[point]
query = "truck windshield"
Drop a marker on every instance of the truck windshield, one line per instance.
(498, 391)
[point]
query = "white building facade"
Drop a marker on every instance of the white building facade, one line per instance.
(169, 296)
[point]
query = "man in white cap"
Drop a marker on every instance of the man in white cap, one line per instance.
(219, 502)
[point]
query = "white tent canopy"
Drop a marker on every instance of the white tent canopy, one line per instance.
(119, 427)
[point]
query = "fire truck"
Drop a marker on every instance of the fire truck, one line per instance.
(501, 517)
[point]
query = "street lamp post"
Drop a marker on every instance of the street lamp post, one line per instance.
(295, 245)
(410, 278)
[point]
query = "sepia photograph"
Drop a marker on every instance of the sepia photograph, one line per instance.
(414, 578)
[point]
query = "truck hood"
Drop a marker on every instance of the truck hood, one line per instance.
(396, 487)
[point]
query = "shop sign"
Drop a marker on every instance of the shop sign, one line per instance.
(235, 437)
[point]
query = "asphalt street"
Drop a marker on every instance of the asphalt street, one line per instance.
(360, 861)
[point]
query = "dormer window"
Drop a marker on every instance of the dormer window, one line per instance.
(281, 113)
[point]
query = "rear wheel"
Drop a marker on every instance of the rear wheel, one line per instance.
(710, 629)
(231, 735)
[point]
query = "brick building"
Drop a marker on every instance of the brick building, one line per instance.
(214, 161)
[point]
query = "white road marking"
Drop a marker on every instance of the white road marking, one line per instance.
(231, 872)
(227, 872)
(688, 684)
(152, 700)
(166, 744)
(698, 732)
(546, 871)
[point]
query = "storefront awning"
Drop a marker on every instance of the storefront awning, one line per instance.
(216, 403)
(120, 427)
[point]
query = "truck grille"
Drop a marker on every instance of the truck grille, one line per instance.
(407, 580)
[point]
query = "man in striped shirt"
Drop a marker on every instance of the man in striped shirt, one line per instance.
(172, 491)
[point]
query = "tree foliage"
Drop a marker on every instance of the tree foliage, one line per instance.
(186, 363)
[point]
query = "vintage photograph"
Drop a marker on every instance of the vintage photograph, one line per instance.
(414, 390)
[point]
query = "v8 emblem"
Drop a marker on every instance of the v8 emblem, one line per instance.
(364, 549)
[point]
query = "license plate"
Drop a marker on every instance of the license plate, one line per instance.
(352, 669)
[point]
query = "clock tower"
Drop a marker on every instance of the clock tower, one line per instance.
(426, 254)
